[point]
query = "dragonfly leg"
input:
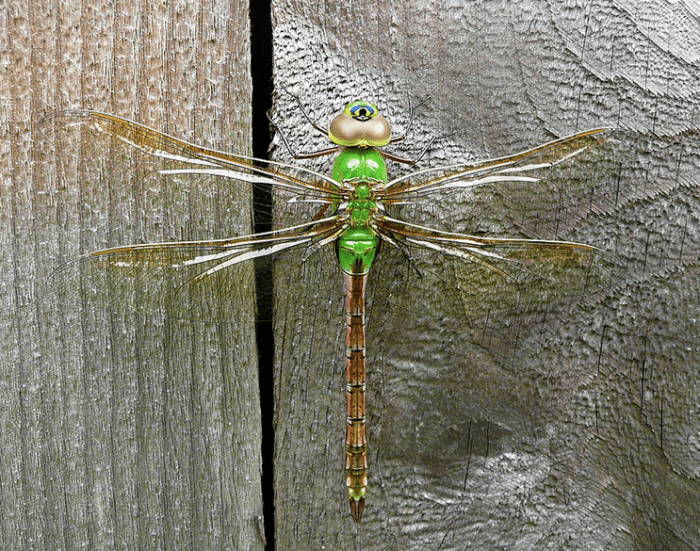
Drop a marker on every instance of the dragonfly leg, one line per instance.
(329, 151)
(412, 114)
(405, 160)
(323, 131)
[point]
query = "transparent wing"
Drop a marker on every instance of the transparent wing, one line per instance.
(542, 193)
(191, 158)
(500, 274)
(177, 271)
(217, 255)
(132, 184)
(502, 256)
(485, 291)
(498, 240)
(517, 167)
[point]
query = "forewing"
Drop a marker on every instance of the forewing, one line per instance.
(182, 157)
(513, 167)
(127, 180)
(543, 193)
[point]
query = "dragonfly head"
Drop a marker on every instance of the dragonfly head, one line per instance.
(360, 125)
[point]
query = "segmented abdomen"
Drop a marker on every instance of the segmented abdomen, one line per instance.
(356, 440)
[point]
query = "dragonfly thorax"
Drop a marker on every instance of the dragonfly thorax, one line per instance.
(358, 242)
(357, 165)
(362, 205)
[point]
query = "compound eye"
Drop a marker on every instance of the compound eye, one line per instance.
(360, 125)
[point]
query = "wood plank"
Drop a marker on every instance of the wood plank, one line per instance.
(130, 419)
(566, 429)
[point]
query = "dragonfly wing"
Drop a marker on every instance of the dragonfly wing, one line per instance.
(203, 274)
(474, 277)
(128, 180)
(519, 166)
(548, 199)
(201, 160)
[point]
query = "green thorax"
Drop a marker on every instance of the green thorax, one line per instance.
(359, 164)
(358, 243)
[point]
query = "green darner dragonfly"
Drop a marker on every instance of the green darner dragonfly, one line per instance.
(355, 214)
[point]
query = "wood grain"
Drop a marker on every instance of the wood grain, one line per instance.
(572, 429)
(128, 421)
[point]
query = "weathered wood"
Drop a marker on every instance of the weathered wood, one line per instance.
(128, 420)
(572, 430)
(576, 431)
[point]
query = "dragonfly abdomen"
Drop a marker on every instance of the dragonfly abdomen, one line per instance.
(356, 440)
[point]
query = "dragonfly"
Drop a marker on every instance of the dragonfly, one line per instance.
(354, 214)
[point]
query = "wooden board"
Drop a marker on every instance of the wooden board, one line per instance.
(571, 428)
(128, 420)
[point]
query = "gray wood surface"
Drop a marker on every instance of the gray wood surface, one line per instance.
(128, 419)
(572, 430)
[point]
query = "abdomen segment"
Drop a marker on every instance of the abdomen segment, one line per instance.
(356, 440)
